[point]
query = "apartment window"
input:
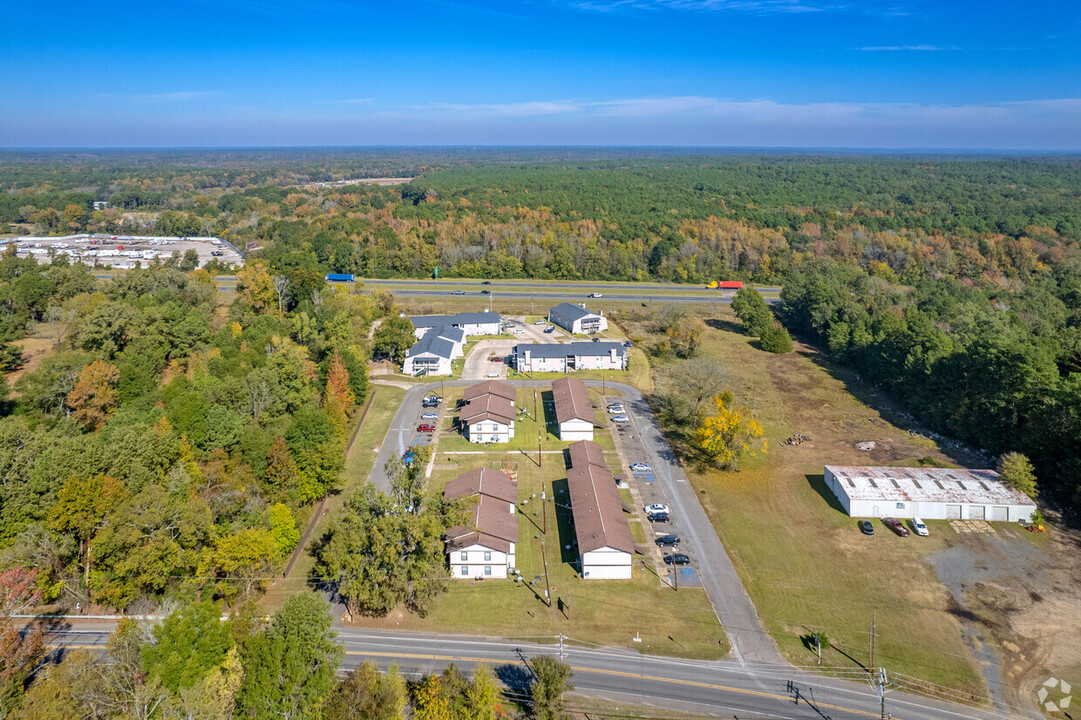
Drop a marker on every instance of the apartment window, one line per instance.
(465, 556)
(487, 569)
(465, 570)
(487, 557)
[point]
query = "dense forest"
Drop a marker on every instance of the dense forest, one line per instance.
(165, 449)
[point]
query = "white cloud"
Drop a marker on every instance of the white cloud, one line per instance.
(747, 6)
(899, 48)
(164, 97)
(349, 101)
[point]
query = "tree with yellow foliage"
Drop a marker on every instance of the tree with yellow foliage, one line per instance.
(94, 397)
(729, 433)
(255, 286)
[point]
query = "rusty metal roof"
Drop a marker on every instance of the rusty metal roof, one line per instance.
(948, 485)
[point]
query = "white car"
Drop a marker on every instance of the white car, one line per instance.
(620, 419)
(429, 416)
(640, 467)
(918, 527)
(595, 295)
(655, 508)
(616, 410)
(493, 374)
(540, 322)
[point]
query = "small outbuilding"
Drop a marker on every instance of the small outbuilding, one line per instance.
(574, 410)
(927, 493)
(576, 319)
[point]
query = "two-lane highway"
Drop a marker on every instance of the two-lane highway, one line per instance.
(718, 688)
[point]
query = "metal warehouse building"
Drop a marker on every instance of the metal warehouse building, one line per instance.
(928, 493)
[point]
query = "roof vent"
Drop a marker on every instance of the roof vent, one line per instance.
(895, 483)
(940, 485)
(873, 483)
(917, 483)
(594, 534)
(850, 483)
(983, 486)
(962, 485)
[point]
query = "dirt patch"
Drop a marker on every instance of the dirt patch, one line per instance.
(1016, 597)
(35, 349)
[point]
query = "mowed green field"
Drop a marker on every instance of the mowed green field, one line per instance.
(602, 612)
(802, 559)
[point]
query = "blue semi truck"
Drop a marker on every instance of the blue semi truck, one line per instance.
(339, 277)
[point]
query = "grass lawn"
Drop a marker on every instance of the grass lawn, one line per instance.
(606, 612)
(358, 464)
(803, 561)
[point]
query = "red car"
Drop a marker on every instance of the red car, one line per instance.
(896, 525)
(426, 428)
(495, 358)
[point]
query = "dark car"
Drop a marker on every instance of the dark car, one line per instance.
(426, 428)
(486, 282)
(677, 559)
(866, 527)
(658, 517)
(550, 329)
(671, 540)
(896, 525)
(496, 358)
(485, 292)
(431, 401)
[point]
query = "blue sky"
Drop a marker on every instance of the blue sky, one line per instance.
(762, 73)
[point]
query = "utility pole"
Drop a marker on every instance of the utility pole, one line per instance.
(536, 417)
(878, 684)
(540, 455)
(871, 645)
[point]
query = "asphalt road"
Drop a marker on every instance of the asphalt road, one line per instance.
(719, 688)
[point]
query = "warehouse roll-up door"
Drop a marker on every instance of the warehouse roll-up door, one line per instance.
(1000, 513)
(953, 512)
(977, 512)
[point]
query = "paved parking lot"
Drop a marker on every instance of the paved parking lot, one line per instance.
(647, 491)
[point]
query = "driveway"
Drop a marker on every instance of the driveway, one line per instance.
(714, 569)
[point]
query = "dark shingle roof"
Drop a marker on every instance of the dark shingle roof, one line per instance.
(571, 400)
(458, 319)
(578, 349)
(487, 407)
(597, 510)
(483, 481)
(586, 452)
(570, 311)
(490, 387)
(432, 343)
(493, 524)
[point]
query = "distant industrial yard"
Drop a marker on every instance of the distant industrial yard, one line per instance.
(121, 251)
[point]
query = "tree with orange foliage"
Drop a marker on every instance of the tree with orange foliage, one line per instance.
(19, 653)
(338, 398)
(94, 397)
